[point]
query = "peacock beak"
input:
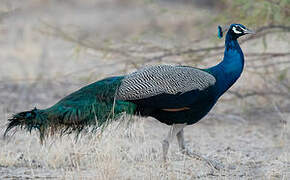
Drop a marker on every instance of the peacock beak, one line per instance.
(248, 31)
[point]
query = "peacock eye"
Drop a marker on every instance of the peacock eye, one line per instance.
(237, 30)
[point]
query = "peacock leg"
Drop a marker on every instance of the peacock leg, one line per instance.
(180, 139)
(175, 128)
(184, 150)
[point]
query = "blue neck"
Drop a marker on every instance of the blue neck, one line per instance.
(231, 67)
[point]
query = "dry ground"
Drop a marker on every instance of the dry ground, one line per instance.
(249, 146)
(250, 137)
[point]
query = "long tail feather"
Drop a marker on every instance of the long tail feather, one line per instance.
(28, 120)
(90, 106)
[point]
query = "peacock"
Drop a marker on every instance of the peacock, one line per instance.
(175, 95)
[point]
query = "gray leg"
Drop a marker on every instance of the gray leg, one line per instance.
(180, 139)
(172, 133)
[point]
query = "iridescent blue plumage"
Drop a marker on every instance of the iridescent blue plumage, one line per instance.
(197, 103)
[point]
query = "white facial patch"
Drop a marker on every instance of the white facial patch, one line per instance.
(236, 31)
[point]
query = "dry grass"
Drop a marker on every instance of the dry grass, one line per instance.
(249, 136)
(256, 147)
(121, 152)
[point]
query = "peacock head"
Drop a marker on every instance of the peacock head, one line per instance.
(235, 30)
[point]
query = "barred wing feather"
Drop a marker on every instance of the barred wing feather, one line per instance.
(163, 79)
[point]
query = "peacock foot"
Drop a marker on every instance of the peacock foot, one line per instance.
(213, 164)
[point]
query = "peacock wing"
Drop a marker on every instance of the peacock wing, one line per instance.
(165, 86)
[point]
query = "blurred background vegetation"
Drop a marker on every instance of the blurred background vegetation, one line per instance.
(50, 48)
(256, 13)
(78, 42)
(82, 41)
